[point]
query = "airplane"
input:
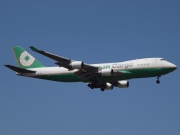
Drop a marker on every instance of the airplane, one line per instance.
(105, 76)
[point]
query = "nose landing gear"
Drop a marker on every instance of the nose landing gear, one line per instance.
(158, 81)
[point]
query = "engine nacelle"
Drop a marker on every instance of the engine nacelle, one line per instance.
(77, 64)
(108, 86)
(106, 72)
(123, 84)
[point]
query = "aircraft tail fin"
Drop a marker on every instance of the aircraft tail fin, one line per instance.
(24, 59)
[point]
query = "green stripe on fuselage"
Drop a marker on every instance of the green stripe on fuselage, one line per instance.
(62, 78)
(129, 74)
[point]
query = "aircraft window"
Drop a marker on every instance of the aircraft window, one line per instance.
(162, 59)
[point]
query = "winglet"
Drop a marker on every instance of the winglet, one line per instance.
(33, 48)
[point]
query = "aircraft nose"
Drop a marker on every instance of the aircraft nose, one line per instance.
(173, 66)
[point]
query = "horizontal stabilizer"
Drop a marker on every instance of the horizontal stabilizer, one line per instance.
(19, 70)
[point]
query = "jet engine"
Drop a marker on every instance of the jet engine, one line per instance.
(106, 72)
(77, 64)
(108, 86)
(123, 84)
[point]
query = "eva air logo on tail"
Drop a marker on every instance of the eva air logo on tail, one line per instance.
(26, 59)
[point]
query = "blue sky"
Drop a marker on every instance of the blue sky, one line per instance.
(94, 32)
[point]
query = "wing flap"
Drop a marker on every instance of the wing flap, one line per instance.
(84, 74)
(90, 68)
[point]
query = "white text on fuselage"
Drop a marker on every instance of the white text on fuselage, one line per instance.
(125, 65)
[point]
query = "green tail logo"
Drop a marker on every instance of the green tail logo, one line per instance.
(24, 59)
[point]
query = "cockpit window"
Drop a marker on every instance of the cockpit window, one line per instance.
(162, 59)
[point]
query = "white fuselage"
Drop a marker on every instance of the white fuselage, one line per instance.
(116, 66)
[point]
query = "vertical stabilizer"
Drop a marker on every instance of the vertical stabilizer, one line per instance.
(24, 59)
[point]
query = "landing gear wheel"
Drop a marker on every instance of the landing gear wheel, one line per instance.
(157, 81)
(90, 86)
(102, 89)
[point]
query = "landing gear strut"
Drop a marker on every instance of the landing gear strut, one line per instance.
(158, 81)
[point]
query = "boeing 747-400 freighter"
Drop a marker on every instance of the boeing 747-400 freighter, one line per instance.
(104, 76)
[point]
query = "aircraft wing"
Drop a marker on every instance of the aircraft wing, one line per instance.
(85, 75)
(51, 56)
(85, 70)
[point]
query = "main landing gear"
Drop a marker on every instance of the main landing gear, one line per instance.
(102, 89)
(95, 84)
(158, 81)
